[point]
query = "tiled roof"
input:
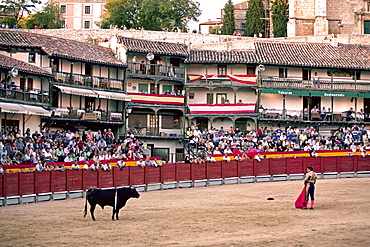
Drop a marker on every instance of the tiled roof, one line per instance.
(317, 55)
(314, 55)
(58, 47)
(203, 56)
(156, 47)
(8, 63)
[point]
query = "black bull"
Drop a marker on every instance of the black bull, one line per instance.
(115, 198)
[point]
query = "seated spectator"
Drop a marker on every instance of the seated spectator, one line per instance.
(238, 158)
(226, 157)
(40, 167)
(140, 163)
(121, 164)
(75, 166)
(94, 166)
(148, 162)
(199, 160)
(187, 160)
(258, 157)
(86, 166)
(209, 158)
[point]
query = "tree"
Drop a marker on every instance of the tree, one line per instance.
(18, 8)
(280, 11)
(50, 17)
(228, 20)
(150, 14)
(255, 22)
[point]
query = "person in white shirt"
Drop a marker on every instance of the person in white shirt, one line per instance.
(209, 158)
(68, 158)
(94, 166)
(238, 158)
(121, 164)
(258, 157)
(140, 163)
(226, 158)
(86, 166)
(75, 166)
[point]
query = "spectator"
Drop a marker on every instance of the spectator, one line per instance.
(121, 164)
(75, 166)
(140, 163)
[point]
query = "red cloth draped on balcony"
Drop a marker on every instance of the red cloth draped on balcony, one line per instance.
(249, 79)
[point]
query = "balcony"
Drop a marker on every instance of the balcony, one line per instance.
(30, 95)
(141, 70)
(157, 99)
(322, 84)
(278, 115)
(159, 133)
(82, 115)
(88, 81)
(221, 80)
(221, 109)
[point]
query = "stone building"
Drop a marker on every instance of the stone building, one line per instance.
(323, 17)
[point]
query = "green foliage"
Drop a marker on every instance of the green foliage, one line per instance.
(8, 20)
(228, 20)
(150, 14)
(255, 23)
(280, 11)
(17, 8)
(50, 17)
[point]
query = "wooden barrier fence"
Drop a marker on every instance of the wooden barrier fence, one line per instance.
(27, 183)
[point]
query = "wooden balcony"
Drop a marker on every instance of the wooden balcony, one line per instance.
(322, 84)
(141, 70)
(82, 115)
(88, 81)
(221, 80)
(28, 95)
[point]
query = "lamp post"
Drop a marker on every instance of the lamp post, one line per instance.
(260, 69)
(127, 111)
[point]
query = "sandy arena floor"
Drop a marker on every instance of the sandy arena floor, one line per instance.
(228, 215)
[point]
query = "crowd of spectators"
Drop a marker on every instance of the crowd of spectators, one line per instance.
(233, 142)
(43, 148)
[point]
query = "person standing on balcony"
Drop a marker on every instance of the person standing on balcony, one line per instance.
(171, 71)
(316, 80)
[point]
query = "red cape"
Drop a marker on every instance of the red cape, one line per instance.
(301, 200)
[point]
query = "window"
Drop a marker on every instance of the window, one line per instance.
(191, 95)
(87, 24)
(283, 72)
(143, 88)
(63, 24)
(222, 69)
(251, 70)
(366, 27)
(63, 8)
(31, 57)
(167, 87)
(209, 98)
(87, 10)
(170, 122)
(221, 98)
(9, 123)
(30, 83)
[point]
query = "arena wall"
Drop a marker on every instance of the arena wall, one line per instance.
(17, 186)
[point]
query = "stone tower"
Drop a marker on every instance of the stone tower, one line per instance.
(323, 17)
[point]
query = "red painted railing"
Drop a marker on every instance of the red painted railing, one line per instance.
(26, 183)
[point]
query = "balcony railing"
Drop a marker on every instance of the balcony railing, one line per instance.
(88, 81)
(321, 84)
(139, 130)
(156, 70)
(297, 115)
(80, 114)
(31, 95)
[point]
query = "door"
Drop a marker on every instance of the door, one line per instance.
(306, 74)
(366, 105)
(202, 123)
(366, 27)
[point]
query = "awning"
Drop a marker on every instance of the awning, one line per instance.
(12, 108)
(112, 95)
(285, 92)
(333, 94)
(77, 91)
(364, 95)
(24, 109)
(94, 93)
(36, 110)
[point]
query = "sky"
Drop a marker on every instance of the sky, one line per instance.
(211, 9)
